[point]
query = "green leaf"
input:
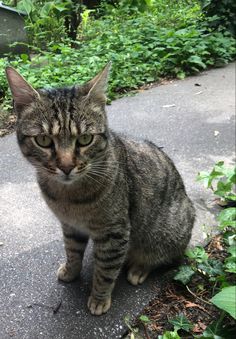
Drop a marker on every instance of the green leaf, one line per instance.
(170, 335)
(232, 251)
(46, 9)
(144, 319)
(24, 57)
(181, 76)
(225, 224)
(181, 322)
(230, 266)
(205, 177)
(195, 59)
(228, 215)
(212, 267)
(226, 300)
(184, 275)
(197, 253)
(230, 196)
(28, 6)
(223, 188)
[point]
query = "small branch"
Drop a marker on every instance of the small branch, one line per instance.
(57, 307)
(145, 331)
(203, 300)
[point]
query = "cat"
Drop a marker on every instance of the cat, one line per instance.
(126, 195)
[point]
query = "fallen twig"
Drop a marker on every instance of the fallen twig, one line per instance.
(203, 300)
(57, 307)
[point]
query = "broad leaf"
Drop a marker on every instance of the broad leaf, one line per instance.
(28, 6)
(212, 267)
(232, 251)
(228, 215)
(184, 275)
(225, 300)
(230, 266)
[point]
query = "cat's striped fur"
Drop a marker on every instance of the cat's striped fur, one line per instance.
(125, 195)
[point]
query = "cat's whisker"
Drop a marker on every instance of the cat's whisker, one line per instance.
(101, 175)
(95, 180)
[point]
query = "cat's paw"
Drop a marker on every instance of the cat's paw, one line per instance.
(98, 307)
(67, 273)
(136, 275)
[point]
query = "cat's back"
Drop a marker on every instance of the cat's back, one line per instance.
(157, 196)
(144, 159)
(152, 176)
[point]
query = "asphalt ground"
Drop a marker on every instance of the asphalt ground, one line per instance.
(194, 120)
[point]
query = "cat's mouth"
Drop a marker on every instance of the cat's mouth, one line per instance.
(71, 177)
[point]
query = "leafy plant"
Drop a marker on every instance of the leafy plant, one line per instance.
(181, 322)
(133, 330)
(197, 253)
(221, 181)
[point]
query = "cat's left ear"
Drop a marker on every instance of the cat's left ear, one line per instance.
(98, 85)
(23, 93)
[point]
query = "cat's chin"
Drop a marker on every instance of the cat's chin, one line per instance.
(67, 180)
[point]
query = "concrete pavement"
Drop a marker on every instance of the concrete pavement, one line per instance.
(196, 127)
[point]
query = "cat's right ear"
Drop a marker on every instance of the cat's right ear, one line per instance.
(22, 92)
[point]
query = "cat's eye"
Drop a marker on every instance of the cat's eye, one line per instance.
(85, 139)
(43, 141)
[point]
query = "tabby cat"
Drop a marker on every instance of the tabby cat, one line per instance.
(126, 195)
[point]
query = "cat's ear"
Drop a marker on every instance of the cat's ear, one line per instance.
(98, 85)
(22, 92)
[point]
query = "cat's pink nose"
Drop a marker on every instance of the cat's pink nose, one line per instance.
(66, 169)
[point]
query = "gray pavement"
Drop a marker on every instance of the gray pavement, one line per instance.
(196, 127)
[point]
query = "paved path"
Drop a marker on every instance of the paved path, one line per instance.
(180, 116)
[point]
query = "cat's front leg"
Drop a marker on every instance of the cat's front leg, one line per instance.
(109, 253)
(75, 243)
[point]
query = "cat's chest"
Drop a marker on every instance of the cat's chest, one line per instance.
(78, 215)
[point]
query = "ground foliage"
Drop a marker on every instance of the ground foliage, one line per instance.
(201, 300)
(221, 12)
(144, 43)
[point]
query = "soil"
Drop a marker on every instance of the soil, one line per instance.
(173, 298)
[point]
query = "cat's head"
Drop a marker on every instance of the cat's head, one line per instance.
(63, 131)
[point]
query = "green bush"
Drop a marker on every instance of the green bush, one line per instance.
(164, 41)
(222, 14)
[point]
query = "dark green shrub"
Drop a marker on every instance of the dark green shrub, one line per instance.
(222, 14)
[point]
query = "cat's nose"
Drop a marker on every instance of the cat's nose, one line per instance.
(66, 169)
